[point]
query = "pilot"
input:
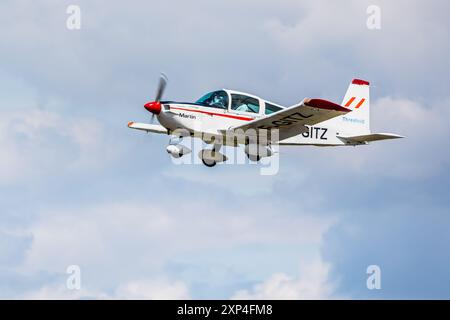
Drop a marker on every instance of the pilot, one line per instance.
(219, 101)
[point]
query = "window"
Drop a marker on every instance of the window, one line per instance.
(240, 102)
(216, 99)
(270, 108)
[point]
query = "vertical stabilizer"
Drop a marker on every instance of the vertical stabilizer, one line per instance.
(356, 99)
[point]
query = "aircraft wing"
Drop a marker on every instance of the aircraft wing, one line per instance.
(292, 121)
(155, 128)
(364, 139)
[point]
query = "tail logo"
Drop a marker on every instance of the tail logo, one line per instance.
(352, 99)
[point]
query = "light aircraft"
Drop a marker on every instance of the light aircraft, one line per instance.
(233, 118)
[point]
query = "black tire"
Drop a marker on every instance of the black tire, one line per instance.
(209, 164)
(257, 158)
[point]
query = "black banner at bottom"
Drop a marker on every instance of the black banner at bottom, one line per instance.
(223, 309)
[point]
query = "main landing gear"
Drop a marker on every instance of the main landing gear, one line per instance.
(210, 157)
(209, 163)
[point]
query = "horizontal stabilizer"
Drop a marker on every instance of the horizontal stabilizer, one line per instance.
(155, 128)
(369, 138)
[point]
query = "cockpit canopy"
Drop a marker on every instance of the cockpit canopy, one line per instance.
(239, 102)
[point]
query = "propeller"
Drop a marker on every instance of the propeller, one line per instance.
(161, 86)
(155, 106)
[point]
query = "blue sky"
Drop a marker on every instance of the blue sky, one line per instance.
(78, 187)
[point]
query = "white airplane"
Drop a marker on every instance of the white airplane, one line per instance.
(233, 118)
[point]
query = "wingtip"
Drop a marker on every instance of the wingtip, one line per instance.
(360, 82)
(393, 135)
(325, 104)
(130, 124)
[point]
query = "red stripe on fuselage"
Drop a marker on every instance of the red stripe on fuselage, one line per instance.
(213, 113)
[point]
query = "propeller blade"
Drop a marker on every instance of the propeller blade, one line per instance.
(161, 87)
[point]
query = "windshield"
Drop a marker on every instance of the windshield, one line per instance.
(216, 99)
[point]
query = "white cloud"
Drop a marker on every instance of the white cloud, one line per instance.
(99, 234)
(37, 143)
(312, 282)
(153, 290)
(148, 289)
(116, 243)
(327, 24)
(59, 292)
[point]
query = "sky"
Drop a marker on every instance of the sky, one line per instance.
(77, 187)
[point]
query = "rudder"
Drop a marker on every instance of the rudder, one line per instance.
(357, 99)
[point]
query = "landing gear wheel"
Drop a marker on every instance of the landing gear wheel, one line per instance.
(209, 163)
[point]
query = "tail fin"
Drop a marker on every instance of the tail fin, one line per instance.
(357, 99)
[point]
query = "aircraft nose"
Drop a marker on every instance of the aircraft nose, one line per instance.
(154, 107)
